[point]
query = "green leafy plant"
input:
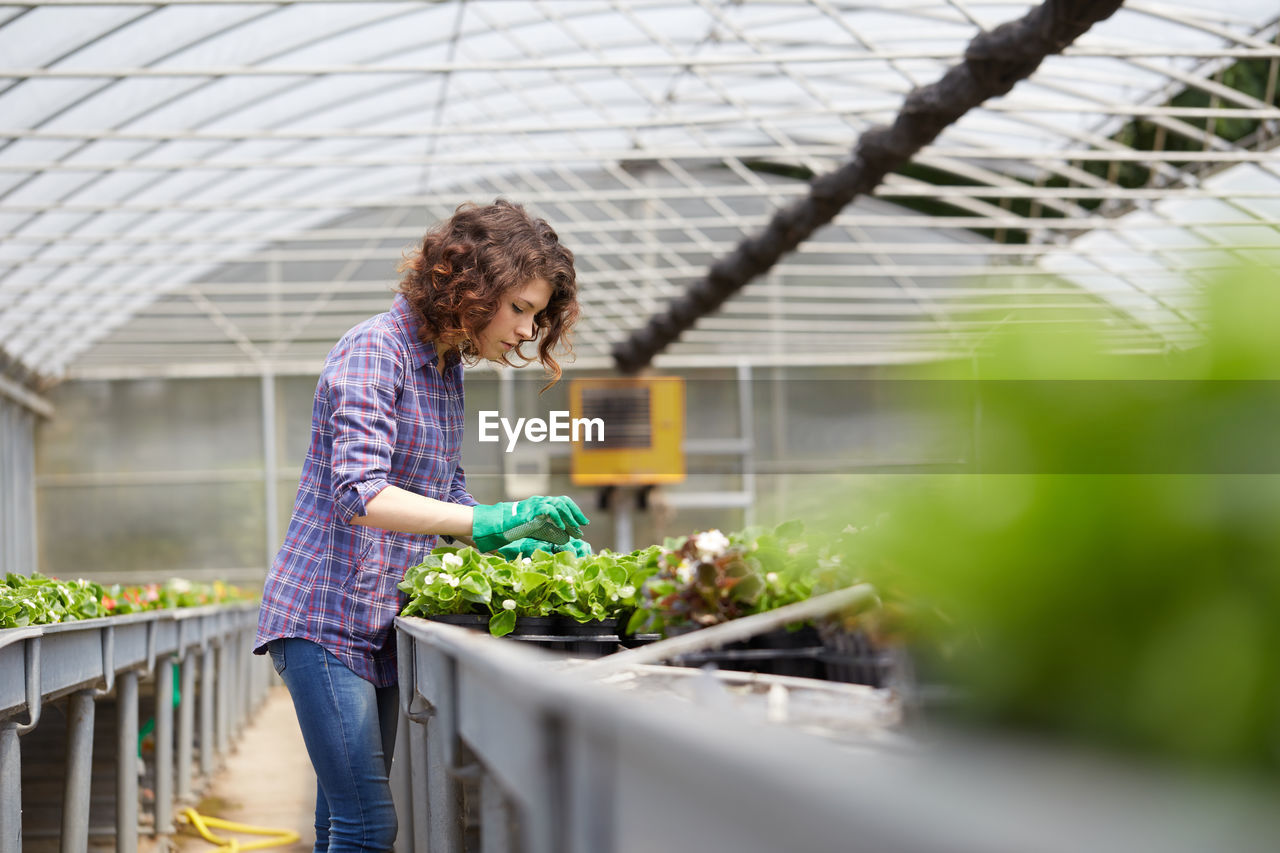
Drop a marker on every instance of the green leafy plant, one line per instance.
(40, 600)
(453, 580)
(685, 583)
(708, 578)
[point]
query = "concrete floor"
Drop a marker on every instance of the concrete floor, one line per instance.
(266, 780)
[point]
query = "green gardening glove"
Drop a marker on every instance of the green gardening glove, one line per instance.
(579, 547)
(522, 548)
(553, 519)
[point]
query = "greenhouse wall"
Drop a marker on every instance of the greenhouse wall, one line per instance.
(17, 487)
(141, 480)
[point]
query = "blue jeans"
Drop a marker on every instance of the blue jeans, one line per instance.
(349, 727)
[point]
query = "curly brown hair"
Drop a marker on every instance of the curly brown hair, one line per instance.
(456, 278)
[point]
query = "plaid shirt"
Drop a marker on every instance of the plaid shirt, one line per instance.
(383, 415)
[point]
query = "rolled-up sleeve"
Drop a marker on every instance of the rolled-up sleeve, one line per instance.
(362, 382)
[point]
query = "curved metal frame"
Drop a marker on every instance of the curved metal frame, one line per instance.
(80, 273)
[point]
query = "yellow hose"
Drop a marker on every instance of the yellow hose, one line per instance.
(279, 837)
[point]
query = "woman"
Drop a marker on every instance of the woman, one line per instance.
(381, 482)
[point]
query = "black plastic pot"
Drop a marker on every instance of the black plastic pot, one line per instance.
(795, 653)
(554, 633)
(630, 641)
(851, 657)
(832, 654)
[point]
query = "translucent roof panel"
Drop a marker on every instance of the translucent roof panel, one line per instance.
(220, 187)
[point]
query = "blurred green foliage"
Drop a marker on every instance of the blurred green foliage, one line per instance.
(40, 600)
(1111, 572)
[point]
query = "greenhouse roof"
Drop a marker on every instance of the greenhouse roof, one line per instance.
(203, 187)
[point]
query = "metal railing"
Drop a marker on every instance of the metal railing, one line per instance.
(510, 748)
(87, 660)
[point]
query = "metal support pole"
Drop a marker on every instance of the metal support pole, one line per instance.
(778, 435)
(746, 428)
(269, 463)
(243, 691)
(11, 752)
(79, 770)
(263, 680)
(623, 529)
(206, 711)
(248, 673)
(186, 727)
(127, 762)
(221, 721)
(164, 746)
(242, 681)
(233, 686)
(253, 678)
(495, 817)
(402, 789)
(246, 677)
(444, 792)
(420, 797)
(257, 685)
(10, 788)
(506, 405)
(434, 783)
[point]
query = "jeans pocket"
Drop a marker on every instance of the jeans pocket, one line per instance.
(276, 649)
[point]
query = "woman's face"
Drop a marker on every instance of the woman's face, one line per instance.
(513, 323)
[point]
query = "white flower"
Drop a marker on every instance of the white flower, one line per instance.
(431, 577)
(515, 586)
(627, 591)
(453, 581)
(508, 604)
(684, 572)
(772, 577)
(451, 560)
(527, 560)
(445, 577)
(613, 596)
(710, 544)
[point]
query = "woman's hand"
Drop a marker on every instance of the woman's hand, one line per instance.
(522, 548)
(496, 525)
(579, 547)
